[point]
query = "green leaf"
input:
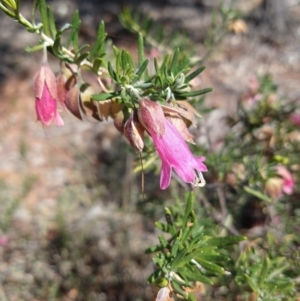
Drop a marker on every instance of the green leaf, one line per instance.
(258, 194)
(225, 241)
(210, 266)
(81, 58)
(174, 63)
(104, 96)
(51, 22)
(193, 274)
(264, 271)
(44, 16)
(175, 247)
(10, 3)
(112, 73)
(33, 11)
(56, 48)
(178, 288)
(98, 48)
(31, 49)
(97, 64)
(141, 71)
(188, 208)
(194, 74)
(252, 283)
(141, 51)
(73, 37)
(194, 93)
(163, 226)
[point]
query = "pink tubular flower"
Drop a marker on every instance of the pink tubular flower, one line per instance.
(45, 96)
(288, 182)
(295, 119)
(171, 147)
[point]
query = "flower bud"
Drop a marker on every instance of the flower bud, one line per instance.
(119, 122)
(89, 107)
(45, 96)
(72, 102)
(65, 81)
(164, 294)
(274, 187)
(151, 116)
(134, 132)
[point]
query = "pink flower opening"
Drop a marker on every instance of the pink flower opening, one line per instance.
(175, 153)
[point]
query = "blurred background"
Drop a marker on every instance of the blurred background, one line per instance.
(73, 223)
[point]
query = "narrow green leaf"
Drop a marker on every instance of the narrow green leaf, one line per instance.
(141, 71)
(258, 194)
(252, 284)
(31, 49)
(178, 288)
(18, 6)
(194, 74)
(73, 37)
(98, 48)
(10, 3)
(164, 243)
(192, 297)
(163, 227)
(175, 247)
(195, 93)
(154, 249)
(33, 11)
(193, 274)
(96, 65)
(112, 73)
(81, 58)
(82, 47)
(183, 66)
(8, 11)
(141, 51)
(116, 51)
(44, 16)
(56, 48)
(188, 208)
(103, 96)
(225, 241)
(264, 271)
(66, 27)
(51, 21)
(210, 266)
(174, 63)
(156, 65)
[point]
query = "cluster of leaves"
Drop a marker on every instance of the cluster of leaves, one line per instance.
(191, 254)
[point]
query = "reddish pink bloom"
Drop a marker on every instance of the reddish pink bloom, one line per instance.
(171, 147)
(175, 153)
(295, 119)
(3, 241)
(288, 183)
(45, 96)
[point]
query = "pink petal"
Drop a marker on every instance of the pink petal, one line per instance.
(165, 175)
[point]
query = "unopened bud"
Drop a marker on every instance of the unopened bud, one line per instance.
(89, 107)
(134, 132)
(65, 81)
(151, 116)
(72, 102)
(119, 122)
(46, 95)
